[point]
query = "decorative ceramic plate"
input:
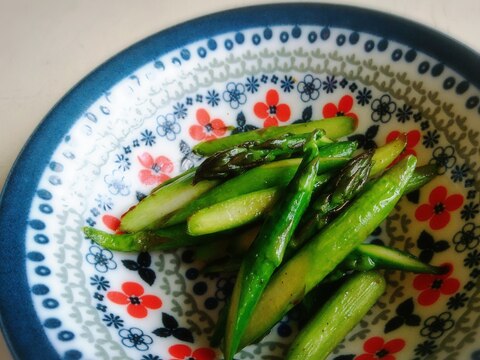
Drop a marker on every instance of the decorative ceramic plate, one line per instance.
(131, 124)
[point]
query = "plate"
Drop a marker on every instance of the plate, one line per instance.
(131, 125)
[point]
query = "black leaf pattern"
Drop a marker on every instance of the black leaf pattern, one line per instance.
(306, 116)
(169, 321)
(366, 141)
(371, 132)
(405, 316)
(413, 320)
(359, 138)
(441, 245)
(147, 275)
(130, 264)
(406, 307)
(393, 323)
(144, 259)
(345, 357)
(426, 255)
(162, 332)
(428, 246)
(183, 334)
(414, 196)
(250, 127)
(171, 328)
(241, 119)
(242, 124)
(140, 196)
(142, 266)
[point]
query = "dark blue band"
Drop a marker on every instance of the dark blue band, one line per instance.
(24, 332)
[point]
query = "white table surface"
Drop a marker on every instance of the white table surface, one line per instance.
(47, 46)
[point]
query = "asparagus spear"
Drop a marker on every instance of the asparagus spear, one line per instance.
(334, 128)
(327, 249)
(266, 252)
(240, 210)
(278, 173)
(326, 206)
(147, 240)
(173, 196)
(247, 208)
(366, 257)
(371, 256)
(347, 183)
(363, 258)
(337, 317)
(350, 181)
(136, 241)
(233, 213)
(421, 176)
(235, 160)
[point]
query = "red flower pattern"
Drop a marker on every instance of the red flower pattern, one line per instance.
(133, 296)
(156, 170)
(432, 286)
(111, 222)
(271, 111)
(185, 352)
(438, 208)
(207, 129)
(413, 138)
(344, 108)
(376, 348)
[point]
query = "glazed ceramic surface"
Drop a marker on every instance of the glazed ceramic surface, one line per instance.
(132, 124)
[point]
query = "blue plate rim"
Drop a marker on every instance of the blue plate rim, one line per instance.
(19, 189)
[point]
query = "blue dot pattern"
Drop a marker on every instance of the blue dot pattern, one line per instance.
(50, 303)
(44, 194)
(35, 256)
(40, 289)
(73, 355)
(52, 323)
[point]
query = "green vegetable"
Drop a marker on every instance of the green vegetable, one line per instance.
(337, 317)
(278, 173)
(386, 154)
(225, 265)
(338, 149)
(347, 184)
(372, 256)
(266, 252)
(162, 202)
(422, 175)
(232, 213)
(250, 207)
(334, 128)
(327, 249)
(237, 246)
(240, 210)
(147, 240)
(219, 330)
(246, 208)
(314, 300)
(364, 257)
(234, 161)
(321, 211)
(342, 188)
(269, 175)
(383, 155)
